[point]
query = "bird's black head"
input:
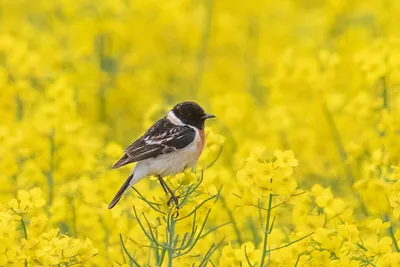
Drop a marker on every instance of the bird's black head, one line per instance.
(192, 114)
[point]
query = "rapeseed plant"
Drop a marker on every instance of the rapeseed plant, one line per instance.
(301, 168)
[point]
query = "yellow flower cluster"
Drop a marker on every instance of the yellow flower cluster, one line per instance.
(27, 239)
(263, 177)
(301, 165)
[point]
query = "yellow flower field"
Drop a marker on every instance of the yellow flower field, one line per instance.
(301, 165)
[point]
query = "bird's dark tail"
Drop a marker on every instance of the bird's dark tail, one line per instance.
(120, 192)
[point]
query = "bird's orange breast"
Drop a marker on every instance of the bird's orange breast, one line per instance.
(200, 143)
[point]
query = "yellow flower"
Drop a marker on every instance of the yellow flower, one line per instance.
(324, 196)
(31, 199)
(378, 225)
(348, 262)
(285, 187)
(228, 257)
(395, 259)
(244, 178)
(247, 252)
(3, 260)
(378, 248)
(186, 178)
(321, 258)
(14, 205)
(37, 225)
(348, 233)
(322, 236)
(285, 159)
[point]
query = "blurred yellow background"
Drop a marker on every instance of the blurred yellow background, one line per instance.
(308, 83)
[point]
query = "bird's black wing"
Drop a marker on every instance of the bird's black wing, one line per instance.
(162, 138)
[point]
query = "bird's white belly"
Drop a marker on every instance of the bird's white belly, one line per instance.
(172, 163)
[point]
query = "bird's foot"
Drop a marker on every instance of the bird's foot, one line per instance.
(173, 199)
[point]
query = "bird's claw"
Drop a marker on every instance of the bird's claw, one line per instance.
(174, 199)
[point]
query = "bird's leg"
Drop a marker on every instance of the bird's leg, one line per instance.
(162, 185)
(168, 190)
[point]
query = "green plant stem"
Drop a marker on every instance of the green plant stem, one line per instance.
(25, 235)
(197, 207)
(391, 233)
(214, 229)
(126, 251)
(266, 232)
(100, 49)
(298, 259)
(50, 174)
(24, 228)
(177, 244)
(343, 155)
(20, 108)
(290, 243)
(213, 162)
(385, 93)
(339, 144)
(171, 229)
(247, 257)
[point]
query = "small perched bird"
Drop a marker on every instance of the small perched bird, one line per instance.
(168, 147)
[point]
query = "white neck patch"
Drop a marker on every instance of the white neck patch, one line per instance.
(173, 118)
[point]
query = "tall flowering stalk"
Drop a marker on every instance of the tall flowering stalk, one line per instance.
(173, 245)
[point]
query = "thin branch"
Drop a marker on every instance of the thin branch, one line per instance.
(266, 233)
(391, 233)
(198, 236)
(151, 204)
(197, 207)
(210, 252)
(247, 257)
(25, 235)
(342, 153)
(214, 229)
(126, 251)
(291, 243)
(214, 161)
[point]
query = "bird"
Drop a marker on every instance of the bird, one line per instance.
(171, 145)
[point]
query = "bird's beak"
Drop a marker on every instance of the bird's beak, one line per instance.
(207, 116)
